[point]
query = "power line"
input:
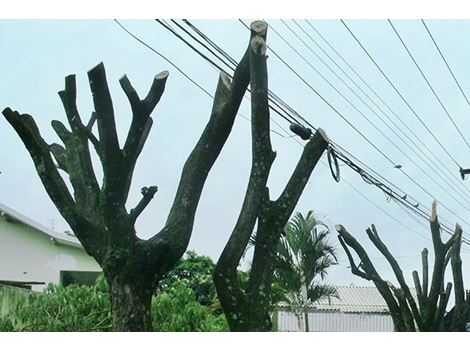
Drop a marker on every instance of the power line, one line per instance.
(354, 127)
(185, 74)
(429, 84)
(445, 61)
(164, 58)
(370, 108)
(314, 128)
(420, 213)
(384, 211)
(398, 92)
(169, 28)
(359, 132)
(432, 159)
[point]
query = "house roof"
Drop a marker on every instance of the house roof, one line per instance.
(56, 237)
(354, 299)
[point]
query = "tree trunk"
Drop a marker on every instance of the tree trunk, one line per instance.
(131, 306)
(307, 328)
(253, 320)
(98, 214)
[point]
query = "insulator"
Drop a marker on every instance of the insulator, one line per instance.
(301, 131)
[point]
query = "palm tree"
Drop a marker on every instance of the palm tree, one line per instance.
(304, 256)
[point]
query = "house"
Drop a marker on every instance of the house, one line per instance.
(32, 255)
(357, 308)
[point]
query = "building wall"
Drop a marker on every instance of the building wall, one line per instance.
(9, 297)
(28, 255)
(337, 321)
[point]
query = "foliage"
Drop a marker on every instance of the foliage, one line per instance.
(6, 325)
(71, 308)
(185, 302)
(303, 258)
(177, 309)
(195, 271)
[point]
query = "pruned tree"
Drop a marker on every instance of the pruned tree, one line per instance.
(425, 310)
(247, 308)
(97, 213)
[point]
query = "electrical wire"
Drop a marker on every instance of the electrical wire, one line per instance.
(446, 63)
(363, 177)
(399, 93)
(347, 161)
(184, 73)
(393, 130)
(392, 162)
(452, 182)
(429, 84)
(356, 129)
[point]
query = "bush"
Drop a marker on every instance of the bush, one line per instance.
(177, 309)
(71, 308)
(83, 308)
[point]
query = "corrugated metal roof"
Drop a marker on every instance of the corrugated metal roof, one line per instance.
(354, 299)
(55, 236)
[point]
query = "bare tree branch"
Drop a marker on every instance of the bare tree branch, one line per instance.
(424, 260)
(419, 291)
(404, 308)
(174, 237)
(371, 274)
(155, 92)
(147, 195)
(441, 308)
(440, 251)
(432, 307)
(105, 118)
(60, 155)
(374, 237)
(55, 186)
(27, 130)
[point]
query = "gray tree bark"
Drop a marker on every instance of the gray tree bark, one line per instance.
(97, 214)
(428, 314)
(247, 309)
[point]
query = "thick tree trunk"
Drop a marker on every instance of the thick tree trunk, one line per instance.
(131, 306)
(250, 318)
(98, 214)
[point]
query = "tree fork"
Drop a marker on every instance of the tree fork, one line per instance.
(429, 315)
(249, 310)
(97, 215)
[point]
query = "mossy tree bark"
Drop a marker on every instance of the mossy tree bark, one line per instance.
(428, 313)
(248, 308)
(97, 213)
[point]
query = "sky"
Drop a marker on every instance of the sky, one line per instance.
(38, 54)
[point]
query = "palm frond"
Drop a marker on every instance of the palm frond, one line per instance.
(320, 291)
(304, 250)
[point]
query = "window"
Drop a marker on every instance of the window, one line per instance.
(86, 278)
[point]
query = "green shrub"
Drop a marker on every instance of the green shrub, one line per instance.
(71, 308)
(84, 308)
(177, 309)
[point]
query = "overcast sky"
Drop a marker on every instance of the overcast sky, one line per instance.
(37, 55)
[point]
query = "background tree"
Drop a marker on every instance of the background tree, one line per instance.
(177, 309)
(428, 313)
(195, 272)
(97, 213)
(303, 259)
(247, 308)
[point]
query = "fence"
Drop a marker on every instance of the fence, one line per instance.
(9, 297)
(336, 321)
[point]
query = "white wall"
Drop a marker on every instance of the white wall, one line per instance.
(28, 255)
(337, 321)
